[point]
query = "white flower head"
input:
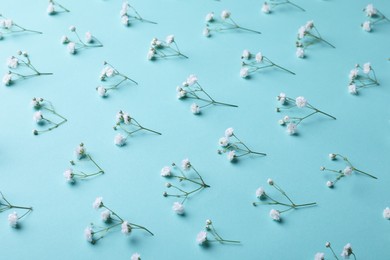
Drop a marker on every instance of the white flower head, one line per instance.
(151, 53)
(105, 215)
(348, 170)
(366, 68)
(71, 47)
(7, 79)
(223, 141)
(209, 17)
(366, 26)
(181, 93)
(246, 55)
(165, 171)
(270, 181)
(98, 203)
(347, 251)
(300, 52)
(309, 25)
(229, 132)
(352, 89)
(275, 214)
(68, 174)
(125, 228)
(178, 208)
(125, 20)
(191, 80)
(80, 151)
(102, 91)
(266, 8)
(126, 118)
(259, 57)
(185, 164)
(135, 256)
(50, 8)
(170, 39)
(88, 233)
(291, 128)
(64, 39)
(201, 238)
(244, 72)
(332, 156)
(282, 98)
(72, 28)
(231, 155)
(300, 102)
(206, 32)
(38, 117)
(386, 213)
(301, 32)
(88, 37)
(370, 10)
(353, 74)
(12, 62)
(195, 109)
(8, 23)
(119, 140)
(13, 219)
(225, 14)
(260, 193)
(329, 184)
(319, 256)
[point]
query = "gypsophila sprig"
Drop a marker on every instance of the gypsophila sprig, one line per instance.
(252, 63)
(13, 218)
(54, 8)
(193, 90)
(346, 253)
(186, 175)
(234, 147)
(225, 23)
(20, 67)
(71, 174)
(164, 49)
(129, 125)
(110, 73)
(299, 102)
(127, 17)
(8, 26)
(202, 238)
(308, 35)
(347, 171)
(268, 7)
(374, 17)
(73, 46)
(265, 199)
(41, 105)
(112, 221)
(361, 77)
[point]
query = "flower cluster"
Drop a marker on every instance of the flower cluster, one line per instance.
(347, 171)
(256, 62)
(183, 175)
(267, 7)
(127, 18)
(13, 218)
(308, 35)
(41, 105)
(112, 220)
(52, 8)
(81, 153)
(111, 73)
(374, 17)
(346, 253)
(164, 49)
(78, 44)
(22, 60)
(274, 213)
(299, 102)
(129, 125)
(358, 80)
(202, 238)
(233, 146)
(192, 89)
(225, 24)
(386, 213)
(8, 26)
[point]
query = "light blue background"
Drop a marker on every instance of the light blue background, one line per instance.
(31, 167)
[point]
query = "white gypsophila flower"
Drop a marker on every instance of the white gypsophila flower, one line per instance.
(72, 28)
(37, 117)
(178, 208)
(125, 20)
(126, 118)
(12, 62)
(244, 72)
(185, 164)
(319, 256)
(50, 8)
(260, 193)
(7, 79)
(329, 184)
(223, 141)
(109, 72)
(165, 171)
(80, 151)
(119, 140)
(386, 213)
(68, 174)
(353, 74)
(88, 37)
(64, 39)
(300, 52)
(88, 233)
(301, 32)
(274, 214)
(352, 89)
(191, 80)
(366, 26)
(291, 128)
(347, 251)
(98, 203)
(209, 17)
(282, 98)
(259, 57)
(105, 215)
(102, 91)
(270, 181)
(366, 68)
(181, 93)
(170, 39)
(195, 109)
(327, 244)
(348, 170)
(13, 219)
(281, 122)
(206, 32)
(286, 119)
(309, 25)
(246, 54)
(150, 54)
(125, 5)
(300, 102)
(71, 47)
(35, 102)
(8, 23)
(231, 155)
(229, 132)
(201, 238)
(332, 156)
(225, 14)
(266, 8)
(125, 228)
(370, 10)
(135, 256)
(123, 12)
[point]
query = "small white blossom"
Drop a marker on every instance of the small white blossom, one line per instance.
(37, 117)
(225, 14)
(309, 25)
(370, 10)
(329, 184)
(231, 155)
(135, 256)
(332, 156)
(275, 214)
(300, 102)
(72, 28)
(12, 62)
(88, 37)
(352, 89)
(191, 80)
(259, 57)
(166, 171)
(64, 39)
(260, 193)
(301, 32)
(13, 219)
(386, 213)
(7, 79)
(119, 140)
(98, 203)
(353, 74)
(206, 32)
(105, 215)
(266, 8)
(185, 164)
(300, 52)
(50, 8)
(246, 54)
(223, 141)
(181, 93)
(8, 23)
(126, 118)
(125, 228)
(178, 208)
(88, 233)
(319, 256)
(102, 91)
(150, 54)
(282, 98)
(347, 251)
(125, 20)
(80, 151)
(209, 17)
(68, 174)
(348, 170)
(291, 128)
(71, 47)
(201, 238)
(366, 26)
(244, 72)
(195, 109)
(229, 132)
(366, 68)
(170, 39)
(270, 181)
